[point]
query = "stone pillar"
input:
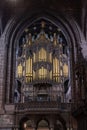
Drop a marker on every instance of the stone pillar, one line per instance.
(33, 123)
(67, 125)
(2, 70)
(51, 124)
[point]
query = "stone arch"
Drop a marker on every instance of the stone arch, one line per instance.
(42, 119)
(15, 28)
(25, 122)
(66, 22)
(58, 126)
(43, 124)
(59, 122)
(21, 123)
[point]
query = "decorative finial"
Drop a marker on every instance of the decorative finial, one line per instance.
(55, 39)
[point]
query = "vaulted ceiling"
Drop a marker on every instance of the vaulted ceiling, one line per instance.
(70, 7)
(58, 4)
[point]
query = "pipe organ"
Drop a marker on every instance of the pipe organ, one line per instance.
(42, 63)
(42, 60)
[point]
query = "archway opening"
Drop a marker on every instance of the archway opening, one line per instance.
(26, 124)
(43, 125)
(58, 125)
(43, 62)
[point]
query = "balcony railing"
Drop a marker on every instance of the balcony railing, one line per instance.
(42, 106)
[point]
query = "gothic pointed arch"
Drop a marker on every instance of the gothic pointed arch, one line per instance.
(15, 31)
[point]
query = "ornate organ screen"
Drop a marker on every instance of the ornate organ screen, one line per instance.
(29, 70)
(42, 57)
(19, 70)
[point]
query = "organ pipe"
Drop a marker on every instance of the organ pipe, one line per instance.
(19, 70)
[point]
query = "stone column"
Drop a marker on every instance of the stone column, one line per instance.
(2, 70)
(51, 124)
(33, 123)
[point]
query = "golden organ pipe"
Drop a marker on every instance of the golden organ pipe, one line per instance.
(29, 65)
(53, 66)
(43, 52)
(26, 66)
(56, 65)
(33, 75)
(19, 70)
(65, 69)
(40, 55)
(42, 72)
(50, 74)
